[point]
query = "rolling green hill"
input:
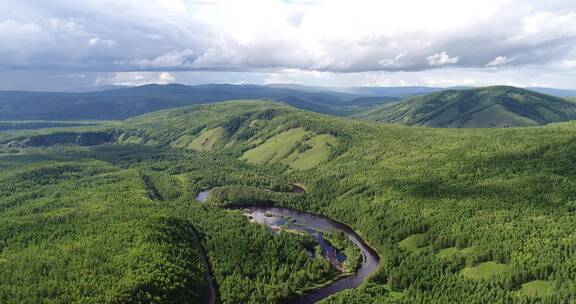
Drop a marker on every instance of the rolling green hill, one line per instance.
(263, 133)
(490, 107)
(477, 215)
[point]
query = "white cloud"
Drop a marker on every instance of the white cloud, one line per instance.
(442, 59)
(569, 64)
(340, 36)
(175, 5)
(99, 42)
(335, 35)
(165, 78)
(172, 59)
(392, 62)
(135, 78)
(64, 25)
(500, 60)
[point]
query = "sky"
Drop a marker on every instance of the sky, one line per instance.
(62, 45)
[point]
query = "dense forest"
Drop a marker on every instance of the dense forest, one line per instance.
(456, 215)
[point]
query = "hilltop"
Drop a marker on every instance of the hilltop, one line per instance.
(498, 106)
(265, 132)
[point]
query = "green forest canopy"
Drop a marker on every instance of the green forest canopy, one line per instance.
(473, 197)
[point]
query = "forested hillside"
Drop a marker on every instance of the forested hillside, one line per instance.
(81, 230)
(489, 107)
(118, 224)
(457, 216)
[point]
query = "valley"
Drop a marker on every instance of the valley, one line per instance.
(355, 264)
(287, 152)
(482, 213)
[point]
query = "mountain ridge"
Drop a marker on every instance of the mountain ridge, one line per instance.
(495, 106)
(122, 103)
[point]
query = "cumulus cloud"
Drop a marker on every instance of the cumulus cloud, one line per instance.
(442, 59)
(339, 36)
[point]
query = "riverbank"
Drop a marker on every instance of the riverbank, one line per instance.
(212, 297)
(306, 221)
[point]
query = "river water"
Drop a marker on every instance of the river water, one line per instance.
(274, 217)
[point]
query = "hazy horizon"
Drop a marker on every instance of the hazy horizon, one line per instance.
(336, 88)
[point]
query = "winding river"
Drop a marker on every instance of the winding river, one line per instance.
(274, 217)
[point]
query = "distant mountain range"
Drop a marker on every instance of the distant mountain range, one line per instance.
(122, 103)
(115, 103)
(554, 92)
(498, 106)
(407, 91)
